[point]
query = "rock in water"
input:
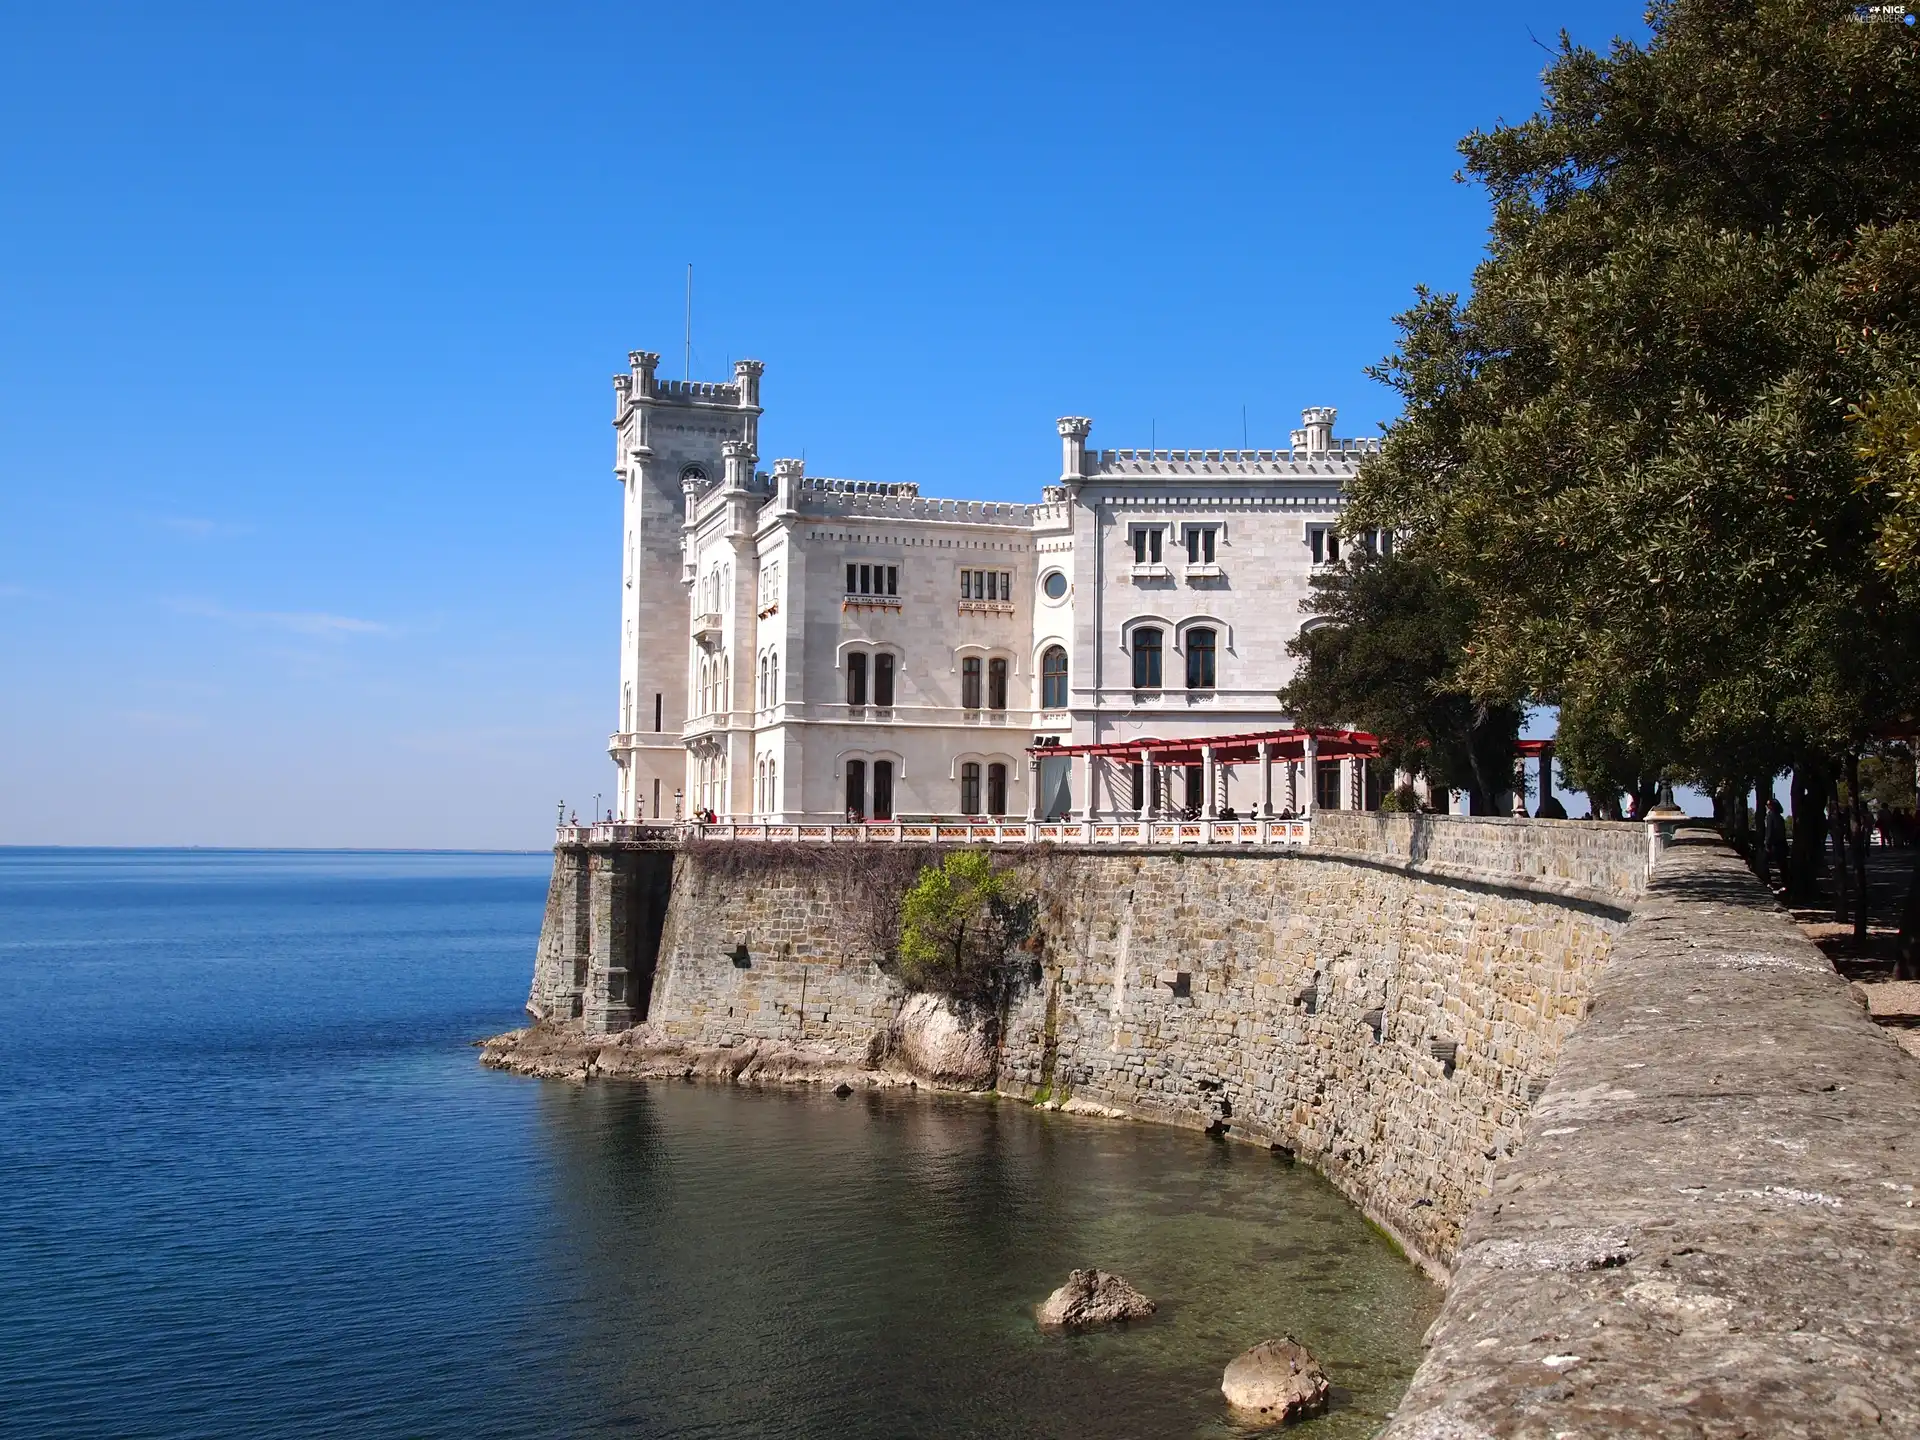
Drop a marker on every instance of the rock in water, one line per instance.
(944, 1042)
(1092, 1297)
(1277, 1380)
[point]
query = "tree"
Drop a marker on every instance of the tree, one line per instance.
(1630, 447)
(957, 922)
(1385, 656)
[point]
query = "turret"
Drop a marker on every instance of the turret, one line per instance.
(746, 374)
(738, 457)
(1315, 435)
(1073, 447)
(641, 365)
(787, 475)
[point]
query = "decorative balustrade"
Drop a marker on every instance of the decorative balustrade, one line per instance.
(1276, 834)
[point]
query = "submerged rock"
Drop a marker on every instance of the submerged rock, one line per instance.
(1277, 1381)
(1092, 1297)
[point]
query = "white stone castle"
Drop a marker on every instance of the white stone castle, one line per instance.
(797, 649)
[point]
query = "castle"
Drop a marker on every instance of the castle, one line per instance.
(795, 648)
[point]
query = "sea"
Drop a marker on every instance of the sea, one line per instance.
(255, 1182)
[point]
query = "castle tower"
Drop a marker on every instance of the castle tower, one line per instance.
(671, 438)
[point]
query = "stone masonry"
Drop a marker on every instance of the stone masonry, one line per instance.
(1384, 1005)
(1711, 1226)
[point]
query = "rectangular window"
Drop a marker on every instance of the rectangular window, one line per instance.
(883, 679)
(656, 714)
(1146, 545)
(996, 789)
(873, 579)
(656, 799)
(970, 789)
(856, 790)
(996, 684)
(883, 789)
(1200, 544)
(1324, 541)
(856, 679)
(1136, 782)
(1326, 785)
(1196, 789)
(970, 683)
(986, 585)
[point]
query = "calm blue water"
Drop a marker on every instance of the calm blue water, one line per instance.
(253, 1182)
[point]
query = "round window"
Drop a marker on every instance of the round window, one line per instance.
(1055, 585)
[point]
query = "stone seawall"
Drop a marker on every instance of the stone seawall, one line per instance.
(1385, 1005)
(1710, 1228)
(1666, 1164)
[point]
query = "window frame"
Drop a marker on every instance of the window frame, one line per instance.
(1050, 699)
(972, 677)
(1148, 669)
(996, 788)
(970, 788)
(1202, 657)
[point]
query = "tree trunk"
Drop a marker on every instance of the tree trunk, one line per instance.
(1837, 830)
(1857, 840)
(1762, 860)
(1906, 953)
(1809, 834)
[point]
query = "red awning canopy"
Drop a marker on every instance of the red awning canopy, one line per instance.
(1289, 744)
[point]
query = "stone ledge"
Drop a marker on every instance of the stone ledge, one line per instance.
(1711, 1227)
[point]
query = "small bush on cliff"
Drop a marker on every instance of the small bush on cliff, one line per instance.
(957, 923)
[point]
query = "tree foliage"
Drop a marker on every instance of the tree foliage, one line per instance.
(1385, 656)
(957, 922)
(1629, 449)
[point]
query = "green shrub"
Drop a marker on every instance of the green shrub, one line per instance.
(958, 920)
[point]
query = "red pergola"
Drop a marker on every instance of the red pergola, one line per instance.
(1287, 744)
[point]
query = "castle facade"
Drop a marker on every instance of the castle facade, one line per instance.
(795, 648)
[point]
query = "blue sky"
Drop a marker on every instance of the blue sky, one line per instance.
(307, 529)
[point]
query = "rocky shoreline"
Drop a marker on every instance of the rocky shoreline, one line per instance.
(904, 1059)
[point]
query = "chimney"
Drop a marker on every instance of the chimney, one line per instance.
(1073, 447)
(746, 375)
(641, 363)
(1316, 433)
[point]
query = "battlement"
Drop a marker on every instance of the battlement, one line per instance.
(1254, 464)
(718, 391)
(903, 501)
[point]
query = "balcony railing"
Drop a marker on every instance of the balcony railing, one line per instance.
(1278, 834)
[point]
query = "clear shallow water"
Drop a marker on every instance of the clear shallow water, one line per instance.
(253, 1181)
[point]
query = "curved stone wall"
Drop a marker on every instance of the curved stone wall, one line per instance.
(1710, 1227)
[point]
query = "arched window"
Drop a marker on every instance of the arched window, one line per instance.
(996, 684)
(626, 706)
(1200, 659)
(773, 784)
(970, 788)
(1053, 679)
(970, 685)
(773, 678)
(1146, 658)
(856, 790)
(996, 789)
(760, 694)
(882, 681)
(856, 679)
